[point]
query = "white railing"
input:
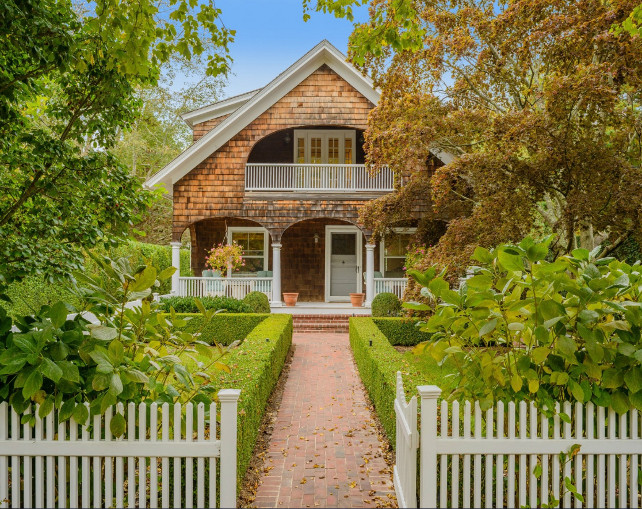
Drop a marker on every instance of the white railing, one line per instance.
(509, 455)
(66, 464)
(407, 441)
(317, 177)
(392, 285)
(237, 287)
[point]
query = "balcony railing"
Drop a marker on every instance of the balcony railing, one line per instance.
(389, 284)
(317, 177)
(237, 287)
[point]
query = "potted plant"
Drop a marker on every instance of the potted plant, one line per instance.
(225, 258)
(290, 298)
(357, 299)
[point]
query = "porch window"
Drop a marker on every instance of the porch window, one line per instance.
(254, 243)
(324, 146)
(394, 248)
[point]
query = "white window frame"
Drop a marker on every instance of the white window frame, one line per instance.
(382, 246)
(324, 134)
(252, 229)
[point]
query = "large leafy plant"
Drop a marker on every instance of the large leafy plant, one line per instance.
(523, 327)
(118, 347)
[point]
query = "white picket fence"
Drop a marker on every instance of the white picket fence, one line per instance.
(509, 455)
(166, 458)
(396, 285)
(237, 287)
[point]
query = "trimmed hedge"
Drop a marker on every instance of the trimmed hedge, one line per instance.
(256, 366)
(33, 292)
(378, 365)
(402, 331)
(224, 328)
(258, 301)
(386, 304)
(187, 304)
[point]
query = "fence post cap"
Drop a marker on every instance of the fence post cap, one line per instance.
(429, 391)
(229, 394)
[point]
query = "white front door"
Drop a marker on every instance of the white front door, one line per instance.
(342, 262)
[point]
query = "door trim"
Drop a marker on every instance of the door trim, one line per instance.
(329, 230)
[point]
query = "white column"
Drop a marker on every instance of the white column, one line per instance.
(276, 275)
(176, 262)
(369, 274)
(229, 409)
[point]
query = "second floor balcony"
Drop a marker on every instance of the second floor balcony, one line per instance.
(327, 178)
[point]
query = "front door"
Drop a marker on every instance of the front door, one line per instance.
(343, 262)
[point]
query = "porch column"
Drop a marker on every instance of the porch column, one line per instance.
(176, 262)
(276, 275)
(369, 274)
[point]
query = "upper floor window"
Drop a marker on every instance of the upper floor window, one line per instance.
(324, 146)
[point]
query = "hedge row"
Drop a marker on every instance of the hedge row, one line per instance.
(401, 331)
(188, 304)
(378, 365)
(33, 292)
(224, 328)
(256, 365)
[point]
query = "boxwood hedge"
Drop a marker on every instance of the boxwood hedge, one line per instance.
(401, 331)
(224, 328)
(378, 365)
(255, 368)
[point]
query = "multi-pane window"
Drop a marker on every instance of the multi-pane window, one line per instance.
(300, 149)
(347, 149)
(316, 156)
(253, 242)
(394, 250)
(324, 146)
(333, 151)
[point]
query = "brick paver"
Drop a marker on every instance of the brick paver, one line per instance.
(324, 450)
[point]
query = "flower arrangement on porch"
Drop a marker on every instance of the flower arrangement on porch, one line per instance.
(225, 258)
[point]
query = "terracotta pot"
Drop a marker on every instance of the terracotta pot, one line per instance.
(357, 299)
(290, 298)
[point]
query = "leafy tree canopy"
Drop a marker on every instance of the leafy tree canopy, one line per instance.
(68, 82)
(539, 102)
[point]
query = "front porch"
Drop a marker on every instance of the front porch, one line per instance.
(323, 260)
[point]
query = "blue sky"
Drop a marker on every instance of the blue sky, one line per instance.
(271, 35)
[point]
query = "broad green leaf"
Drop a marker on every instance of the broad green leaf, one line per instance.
(32, 384)
(620, 402)
(450, 297)
(51, 370)
(116, 352)
(58, 314)
(479, 282)
(67, 409)
(533, 386)
(539, 354)
(566, 345)
(80, 414)
(103, 332)
(482, 255)
(581, 254)
(633, 379)
(145, 280)
(69, 371)
(46, 407)
(117, 425)
(115, 384)
(510, 262)
(222, 367)
(488, 327)
(636, 399)
(612, 378)
(516, 326)
(516, 382)
(576, 390)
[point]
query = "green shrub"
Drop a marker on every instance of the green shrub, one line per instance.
(402, 331)
(258, 302)
(577, 318)
(33, 292)
(386, 304)
(378, 365)
(223, 328)
(187, 304)
(256, 366)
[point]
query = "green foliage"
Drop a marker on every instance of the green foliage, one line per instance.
(258, 302)
(378, 365)
(401, 331)
(524, 328)
(32, 292)
(69, 77)
(255, 368)
(188, 304)
(129, 354)
(386, 304)
(222, 328)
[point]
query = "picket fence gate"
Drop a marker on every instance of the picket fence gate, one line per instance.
(509, 455)
(164, 459)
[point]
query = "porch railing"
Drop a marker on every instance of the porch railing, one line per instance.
(237, 287)
(391, 284)
(316, 177)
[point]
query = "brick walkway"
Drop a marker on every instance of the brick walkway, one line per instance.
(324, 451)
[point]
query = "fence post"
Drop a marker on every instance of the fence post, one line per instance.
(229, 405)
(428, 434)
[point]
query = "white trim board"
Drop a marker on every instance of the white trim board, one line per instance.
(329, 230)
(322, 53)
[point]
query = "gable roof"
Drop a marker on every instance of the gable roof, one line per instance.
(245, 108)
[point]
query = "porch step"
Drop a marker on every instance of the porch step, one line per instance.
(320, 323)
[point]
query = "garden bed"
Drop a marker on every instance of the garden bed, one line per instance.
(378, 363)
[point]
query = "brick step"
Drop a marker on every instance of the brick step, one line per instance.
(321, 323)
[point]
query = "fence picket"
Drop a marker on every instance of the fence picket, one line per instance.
(590, 433)
(39, 462)
(622, 434)
(62, 467)
(633, 482)
(579, 434)
(510, 488)
(489, 458)
(96, 463)
(73, 467)
(86, 473)
(567, 465)
(555, 468)
(165, 461)
(4, 467)
(601, 469)
(50, 472)
(466, 459)
(189, 464)
(443, 478)
(477, 462)
(212, 476)
(532, 480)
(109, 463)
(177, 460)
(454, 466)
(612, 475)
(200, 462)
(545, 461)
(153, 462)
(27, 466)
(131, 460)
(523, 423)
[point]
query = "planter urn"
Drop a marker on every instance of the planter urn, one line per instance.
(357, 299)
(290, 299)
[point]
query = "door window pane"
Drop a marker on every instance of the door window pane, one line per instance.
(333, 150)
(315, 150)
(300, 150)
(344, 243)
(347, 150)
